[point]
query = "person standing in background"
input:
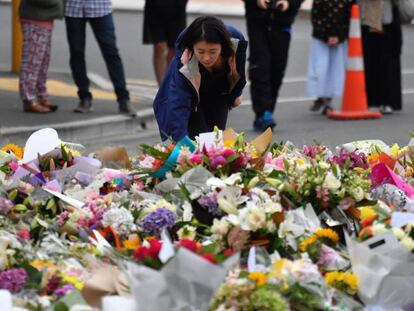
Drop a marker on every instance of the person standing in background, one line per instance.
(36, 18)
(328, 52)
(382, 45)
(269, 25)
(163, 22)
(98, 13)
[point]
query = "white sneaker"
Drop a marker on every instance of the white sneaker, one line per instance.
(386, 110)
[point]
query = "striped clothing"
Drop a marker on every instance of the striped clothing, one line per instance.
(87, 8)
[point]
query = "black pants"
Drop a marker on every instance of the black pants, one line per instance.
(382, 58)
(210, 112)
(269, 48)
(104, 31)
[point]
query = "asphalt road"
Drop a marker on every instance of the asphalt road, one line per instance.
(295, 123)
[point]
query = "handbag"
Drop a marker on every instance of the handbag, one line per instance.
(406, 8)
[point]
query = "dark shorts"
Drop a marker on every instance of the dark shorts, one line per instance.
(163, 24)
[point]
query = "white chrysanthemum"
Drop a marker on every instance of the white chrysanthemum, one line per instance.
(252, 218)
(220, 227)
(378, 229)
(399, 233)
(408, 243)
(358, 194)
(154, 205)
(120, 219)
(331, 182)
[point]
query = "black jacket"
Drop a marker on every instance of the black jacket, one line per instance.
(273, 17)
(331, 19)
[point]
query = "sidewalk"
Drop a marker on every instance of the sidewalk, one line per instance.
(103, 122)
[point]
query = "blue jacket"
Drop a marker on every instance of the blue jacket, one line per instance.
(178, 95)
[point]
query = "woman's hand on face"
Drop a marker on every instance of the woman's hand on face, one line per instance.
(237, 102)
(263, 4)
(282, 5)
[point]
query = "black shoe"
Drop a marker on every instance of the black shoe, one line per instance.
(126, 108)
(84, 106)
(317, 105)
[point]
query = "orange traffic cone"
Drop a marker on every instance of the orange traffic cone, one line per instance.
(354, 100)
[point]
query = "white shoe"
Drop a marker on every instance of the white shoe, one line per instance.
(386, 110)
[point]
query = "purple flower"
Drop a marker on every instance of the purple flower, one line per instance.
(154, 222)
(61, 291)
(13, 279)
(209, 202)
(5, 206)
(356, 159)
(219, 160)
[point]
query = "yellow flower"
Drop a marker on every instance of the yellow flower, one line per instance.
(75, 153)
(327, 234)
(394, 150)
(345, 281)
(259, 277)
(74, 280)
(228, 143)
(16, 150)
(366, 212)
(303, 246)
(41, 264)
(300, 161)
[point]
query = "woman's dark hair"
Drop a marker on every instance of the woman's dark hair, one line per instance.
(209, 29)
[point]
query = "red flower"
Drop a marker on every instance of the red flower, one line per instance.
(228, 252)
(155, 247)
(24, 234)
(189, 244)
(228, 152)
(209, 257)
(141, 253)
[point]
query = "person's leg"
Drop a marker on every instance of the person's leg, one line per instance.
(160, 60)
(371, 43)
(259, 68)
(32, 55)
(41, 87)
(76, 35)
(279, 45)
(317, 73)
(104, 31)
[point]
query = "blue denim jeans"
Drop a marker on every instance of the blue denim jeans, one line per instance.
(104, 31)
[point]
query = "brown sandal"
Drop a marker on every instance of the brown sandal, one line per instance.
(34, 106)
(48, 104)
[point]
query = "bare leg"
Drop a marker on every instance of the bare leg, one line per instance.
(160, 60)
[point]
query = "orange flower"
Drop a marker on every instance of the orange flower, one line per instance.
(133, 242)
(111, 236)
(365, 232)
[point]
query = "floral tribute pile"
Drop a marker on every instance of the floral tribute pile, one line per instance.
(219, 224)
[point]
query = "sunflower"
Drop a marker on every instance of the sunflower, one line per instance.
(327, 234)
(16, 150)
(344, 281)
(303, 246)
